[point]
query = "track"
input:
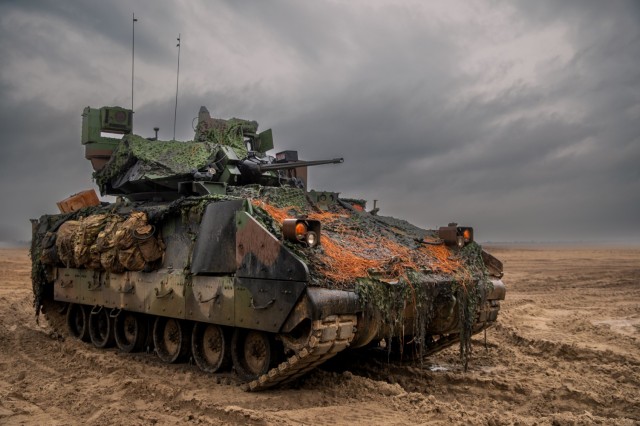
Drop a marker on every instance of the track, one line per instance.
(328, 337)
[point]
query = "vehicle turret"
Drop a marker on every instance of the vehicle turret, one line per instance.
(223, 152)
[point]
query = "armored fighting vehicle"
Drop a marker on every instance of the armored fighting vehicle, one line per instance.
(215, 250)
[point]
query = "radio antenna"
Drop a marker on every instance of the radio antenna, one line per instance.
(133, 47)
(175, 112)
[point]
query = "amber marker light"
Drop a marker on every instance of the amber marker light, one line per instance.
(301, 230)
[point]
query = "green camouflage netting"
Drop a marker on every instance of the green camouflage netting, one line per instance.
(159, 159)
(155, 158)
(395, 283)
(229, 132)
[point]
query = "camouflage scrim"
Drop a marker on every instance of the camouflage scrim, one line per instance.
(137, 158)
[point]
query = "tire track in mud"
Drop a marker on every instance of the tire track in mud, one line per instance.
(82, 367)
(561, 388)
(77, 367)
(547, 362)
(68, 371)
(564, 351)
(566, 367)
(25, 373)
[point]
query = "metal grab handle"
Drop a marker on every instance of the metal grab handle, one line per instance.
(94, 288)
(160, 296)
(67, 285)
(269, 303)
(128, 288)
(214, 297)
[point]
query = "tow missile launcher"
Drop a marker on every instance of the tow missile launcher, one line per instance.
(215, 250)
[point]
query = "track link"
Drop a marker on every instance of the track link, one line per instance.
(328, 337)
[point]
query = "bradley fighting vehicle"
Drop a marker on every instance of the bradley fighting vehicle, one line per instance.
(216, 251)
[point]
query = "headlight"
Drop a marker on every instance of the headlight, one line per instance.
(303, 231)
(311, 239)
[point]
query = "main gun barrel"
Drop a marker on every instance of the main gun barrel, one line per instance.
(296, 164)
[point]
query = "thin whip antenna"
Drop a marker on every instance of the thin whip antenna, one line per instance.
(175, 112)
(133, 47)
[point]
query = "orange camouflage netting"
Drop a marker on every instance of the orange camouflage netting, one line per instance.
(348, 254)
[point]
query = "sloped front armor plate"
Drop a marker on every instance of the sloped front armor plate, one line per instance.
(265, 304)
(215, 249)
(260, 255)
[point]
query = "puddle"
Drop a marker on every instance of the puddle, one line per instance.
(437, 368)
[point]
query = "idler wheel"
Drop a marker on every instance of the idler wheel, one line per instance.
(77, 322)
(253, 353)
(101, 328)
(171, 339)
(210, 346)
(130, 331)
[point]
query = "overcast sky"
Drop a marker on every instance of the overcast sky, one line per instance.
(521, 119)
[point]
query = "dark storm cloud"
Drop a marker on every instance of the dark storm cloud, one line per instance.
(544, 176)
(519, 118)
(109, 20)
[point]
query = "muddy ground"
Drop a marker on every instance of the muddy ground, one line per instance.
(566, 350)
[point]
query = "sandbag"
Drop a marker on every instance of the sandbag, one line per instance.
(86, 236)
(106, 242)
(151, 248)
(106, 238)
(137, 245)
(135, 224)
(106, 245)
(131, 258)
(94, 258)
(109, 261)
(65, 242)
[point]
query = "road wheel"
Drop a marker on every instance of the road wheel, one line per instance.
(171, 339)
(253, 353)
(101, 328)
(77, 323)
(210, 346)
(130, 331)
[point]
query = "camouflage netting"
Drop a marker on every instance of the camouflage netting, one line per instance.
(394, 267)
(227, 132)
(354, 244)
(155, 159)
(160, 159)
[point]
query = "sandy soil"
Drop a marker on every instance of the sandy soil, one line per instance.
(566, 350)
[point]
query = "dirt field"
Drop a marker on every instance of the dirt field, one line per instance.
(566, 350)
